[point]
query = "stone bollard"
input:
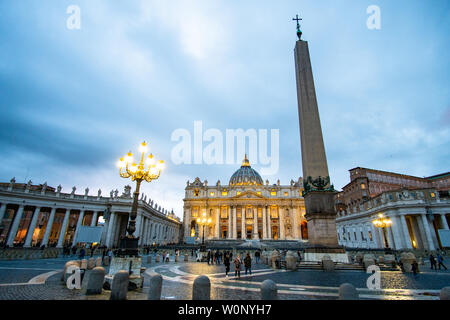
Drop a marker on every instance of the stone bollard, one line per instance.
(149, 259)
(201, 290)
(274, 257)
(154, 292)
(119, 286)
(106, 261)
(91, 264)
(186, 258)
(407, 259)
(327, 263)
(368, 260)
(157, 258)
(445, 293)
(389, 259)
(348, 291)
(269, 290)
(83, 264)
(291, 261)
(95, 281)
(98, 262)
(359, 257)
(65, 275)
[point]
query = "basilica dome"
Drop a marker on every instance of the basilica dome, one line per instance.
(245, 176)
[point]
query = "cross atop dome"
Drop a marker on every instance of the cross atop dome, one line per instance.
(245, 162)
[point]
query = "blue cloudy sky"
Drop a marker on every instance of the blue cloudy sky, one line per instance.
(73, 101)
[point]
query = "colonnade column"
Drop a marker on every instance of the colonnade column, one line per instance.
(105, 231)
(31, 228)
(48, 229)
(79, 224)
(255, 223)
(264, 212)
(295, 222)
(444, 223)
(109, 232)
(15, 225)
(269, 223)
(62, 233)
(395, 228)
(94, 219)
(218, 223)
(234, 222)
(243, 229)
(281, 212)
(187, 225)
(230, 224)
(406, 235)
(2, 211)
(426, 226)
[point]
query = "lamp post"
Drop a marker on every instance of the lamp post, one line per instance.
(147, 170)
(383, 222)
(203, 222)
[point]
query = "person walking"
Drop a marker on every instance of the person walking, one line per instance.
(237, 266)
(208, 256)
(248, 263)
(415, 268)
(226, 262)
(433, 262)
(440, 260)
(257, 255)
(82, 253)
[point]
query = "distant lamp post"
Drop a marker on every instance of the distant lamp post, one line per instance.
(383, 222)
(147, 170)
(203, 222)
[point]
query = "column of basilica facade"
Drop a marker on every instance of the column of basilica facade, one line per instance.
(39, 215)
(246, 208)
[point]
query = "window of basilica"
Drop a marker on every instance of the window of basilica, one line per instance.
(224, 214)
(249, 214)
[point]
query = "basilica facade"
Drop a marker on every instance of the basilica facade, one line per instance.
(246, 208)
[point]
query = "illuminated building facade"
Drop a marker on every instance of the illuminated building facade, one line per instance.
(246, 208)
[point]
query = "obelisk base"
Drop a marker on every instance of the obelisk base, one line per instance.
(322, 234)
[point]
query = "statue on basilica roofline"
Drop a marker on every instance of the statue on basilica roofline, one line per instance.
(99, 193)
(28, 186)
(44, 187)
(116, 193)
(58, 189)
(86, 191)
(126, 192)
(111, 194)
(74, 189)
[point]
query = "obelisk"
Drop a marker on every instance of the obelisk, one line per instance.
(318, 192)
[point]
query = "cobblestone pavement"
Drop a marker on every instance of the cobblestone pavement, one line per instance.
(17, 276)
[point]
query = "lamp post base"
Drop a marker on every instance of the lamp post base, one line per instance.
(129, 247)
(131, 264)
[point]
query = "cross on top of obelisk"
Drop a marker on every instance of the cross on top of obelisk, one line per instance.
(299, 32)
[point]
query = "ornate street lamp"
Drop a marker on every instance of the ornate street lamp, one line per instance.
(147, 170)
(383, 222)
(203, 222)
